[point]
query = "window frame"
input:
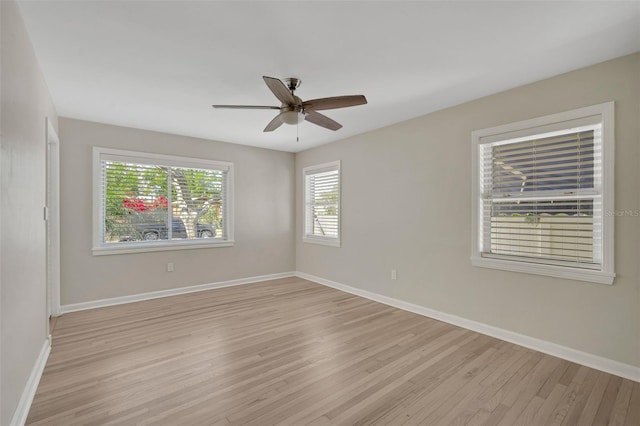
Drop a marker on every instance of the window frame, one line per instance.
(309, 171)
(136, 157)
(604, 274)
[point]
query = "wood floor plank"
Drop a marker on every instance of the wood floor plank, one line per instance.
(621, 404)
(527, 416)
(633, 412)
(568, 400)
(471, 401)
(551, 402)
(605, 409)
(576, 403)
(469, 388)
(291, 352)
(527, 389)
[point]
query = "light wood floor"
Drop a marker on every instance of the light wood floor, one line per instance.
(297, 353)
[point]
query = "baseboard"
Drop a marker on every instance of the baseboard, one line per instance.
(101, 303)
(583, 358)
(29, 392)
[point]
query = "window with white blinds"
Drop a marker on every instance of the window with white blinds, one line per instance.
(543, 189)
(149, 202)
(322, 204)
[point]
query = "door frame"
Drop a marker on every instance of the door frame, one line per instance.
(52, 217)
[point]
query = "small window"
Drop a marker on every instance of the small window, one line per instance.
(322, 204)
(150, 202)
(542, 190)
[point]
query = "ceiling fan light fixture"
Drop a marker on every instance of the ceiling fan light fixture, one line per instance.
(292, 117)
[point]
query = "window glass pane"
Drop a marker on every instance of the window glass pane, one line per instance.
(566, 162)
(531, 209)
(324, 203)
(198, 201)
(553, 230)
(136, 205)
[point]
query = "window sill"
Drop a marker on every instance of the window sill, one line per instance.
(566, 272)
(333, 242)
(144, 247)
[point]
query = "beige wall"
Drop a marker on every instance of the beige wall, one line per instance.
(406, 205)
(264, 217)
(25, 104)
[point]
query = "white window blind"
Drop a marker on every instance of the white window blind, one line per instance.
(147, 202)
(542, 195)
(322, 203)
(540, 198)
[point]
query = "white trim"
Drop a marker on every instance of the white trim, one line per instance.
(101, 303)
(584, 274)
(325, 241)
(546, 120)
(608, 201)
(148, 246)
(29, 392)
(162, 159)
(320, 168)
(53, 220)
(583, 358)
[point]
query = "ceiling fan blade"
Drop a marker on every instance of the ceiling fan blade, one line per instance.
(334, 102)
(275, 123)
(245, 107)
(280, 90)
(322, 120)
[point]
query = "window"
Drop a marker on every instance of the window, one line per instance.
(322, 204)
(150, 202)
(543, 194)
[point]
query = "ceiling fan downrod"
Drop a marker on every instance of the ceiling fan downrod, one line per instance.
(292, 83)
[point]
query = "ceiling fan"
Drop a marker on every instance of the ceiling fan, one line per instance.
(293, 109)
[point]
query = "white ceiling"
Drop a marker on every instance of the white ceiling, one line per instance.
(159, 65)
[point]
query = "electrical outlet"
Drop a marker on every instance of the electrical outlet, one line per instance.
(170, 267)
(394, 275)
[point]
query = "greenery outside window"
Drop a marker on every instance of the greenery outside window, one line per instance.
(543, 195)
(322, 204)
(150, 202)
